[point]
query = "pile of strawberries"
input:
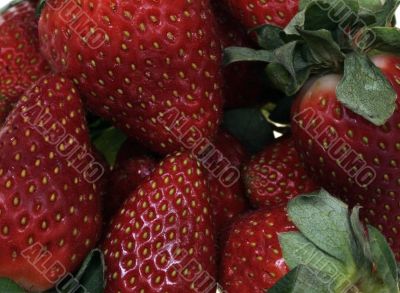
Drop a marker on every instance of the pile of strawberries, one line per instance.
(199, 145)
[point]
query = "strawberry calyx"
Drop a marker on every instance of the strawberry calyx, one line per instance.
(333, 251)
(332, 37)
(40, 7)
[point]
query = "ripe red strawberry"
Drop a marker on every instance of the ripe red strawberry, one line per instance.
(133, 165)
(253, 13)
(346, 125)
(227, 201)
(4, 109)
(252, 259)
(48, 192)
(20, 61)
(356, 151)
(162, 239)
(276, 175)
(242, 84)
(139, 60)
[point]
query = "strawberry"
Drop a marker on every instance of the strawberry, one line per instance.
(162, 239)
(355, 152)
(242, 82)
(346, 117)
(133, 165)
(252, 259)
(49, 200)
(276, 175)
(4, 109)
(20, 61)
(253, 13)
(322, 243)
(140, 60)
(227, 201)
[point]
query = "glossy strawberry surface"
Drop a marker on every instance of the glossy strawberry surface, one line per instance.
(162, 239)
(20, 61)
(253, 13)
(142, 59)
(276, 175)
(252, 258)
(48, 193)
(350, 156)
(132, 167)
(228, 202)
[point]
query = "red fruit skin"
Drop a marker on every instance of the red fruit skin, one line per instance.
(253, 13)
(20, 61)
(379, 147)
(252, 259)
(242, 85)
(167, 214)
(4, 109)
(276, 175)
(157, 56)
(227, 202)
(43, 199)
(132, 167)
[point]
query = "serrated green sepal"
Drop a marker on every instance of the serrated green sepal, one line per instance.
(40, 7)
(365, 90)
(333, 250)
(302, 279)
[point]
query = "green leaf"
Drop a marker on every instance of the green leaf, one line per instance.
(290, 69)
(89, 278)
(269, 36)
(323, 47)
(304, 3)
(239, 54)
(384, 11)
(361, 251)
(39, 7)
(288, 57)
(108, 142)
(8, 286)
(302, 279)
(249, 127)
(365, 90)
(297, 21)
(385, 39)
(324, 220)
(298, 250)
(384, 259)
(284, 81)
(316, 17)
(91, 273)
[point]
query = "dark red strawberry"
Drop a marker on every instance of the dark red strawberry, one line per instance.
(49, 198)
(350, 156)
(332, 251)
(20, 61)
(253, 13)
(162, 239)
(228, 201)
(138, 60)
(276, 175)
(242, 81)
(133, 165)
(252, 259)
(346, 120)
(5, 108)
